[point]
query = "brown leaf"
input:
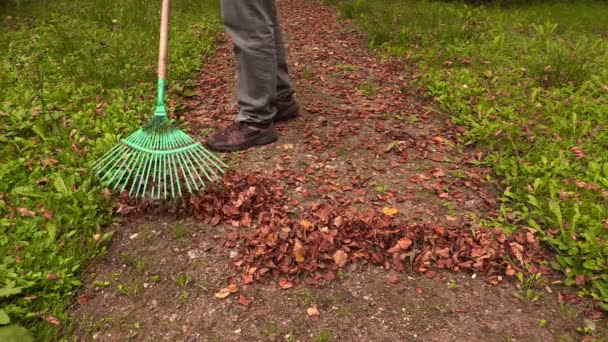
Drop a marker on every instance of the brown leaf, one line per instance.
(30, 297)
(48, 215)
(25, 212)
(230, 211)
(244, 301)
(340, 258)
(82, 299)
(299, 251)
(52, 319)
(247, 279)
(419, 290)
(392, 279)
(285, 284)
(404, 243)
(52, 276)
(215, 220)
(451, 218)
(313, 311)
(579, 279)
(338, 221)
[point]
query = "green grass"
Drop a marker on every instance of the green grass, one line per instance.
(75, 76)
(529, 81)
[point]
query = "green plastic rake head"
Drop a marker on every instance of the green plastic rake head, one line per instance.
(159, 161)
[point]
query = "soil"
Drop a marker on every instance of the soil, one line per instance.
(366, 137)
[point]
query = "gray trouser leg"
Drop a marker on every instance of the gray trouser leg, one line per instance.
(262, 71)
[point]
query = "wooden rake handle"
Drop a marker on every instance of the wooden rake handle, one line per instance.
(164, 40)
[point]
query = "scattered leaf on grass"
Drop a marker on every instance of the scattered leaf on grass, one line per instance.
(579, 279)
(52, 319)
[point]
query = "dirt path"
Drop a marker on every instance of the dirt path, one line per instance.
(366, 139)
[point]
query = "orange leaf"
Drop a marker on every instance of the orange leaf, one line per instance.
(390, 211)
(285, 284)
(306, 224)
(404, 243)
(313, 311)
(299, 251)
(223, 293)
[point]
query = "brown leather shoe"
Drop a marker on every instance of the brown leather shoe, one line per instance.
(241, 136)
(286, 109)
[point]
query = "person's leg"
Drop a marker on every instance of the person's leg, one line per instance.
(284, 88)
(251, 26)
(287, 107)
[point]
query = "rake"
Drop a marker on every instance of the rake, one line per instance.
(158, 161)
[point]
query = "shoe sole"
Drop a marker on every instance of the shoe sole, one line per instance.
(261, 141)
(288, 113)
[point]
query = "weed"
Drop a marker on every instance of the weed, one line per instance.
(307, 296)
(132, 288)
(368, 89)
(381, 189)
(183, 280)
(75, 79)
(542, 323)
(531, 90)
(342, 152)
(180, 231)
(323, 336)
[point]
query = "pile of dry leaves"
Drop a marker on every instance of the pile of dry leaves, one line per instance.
(276, 242)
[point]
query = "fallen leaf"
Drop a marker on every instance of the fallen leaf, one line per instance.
(451, 218)
(52, 319)
(82, 299)
(52, 276)
(25, 212)
(244, 301)
(48, 215)
(404, 244)
(306, 224)
(299, 251)
(232, 288)
(390, 211)
(285, 284)
(419, 290)
(247, 279)
(340, 258)
(313, 311)
(579, 279)
(223, 293)
(392, 279)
